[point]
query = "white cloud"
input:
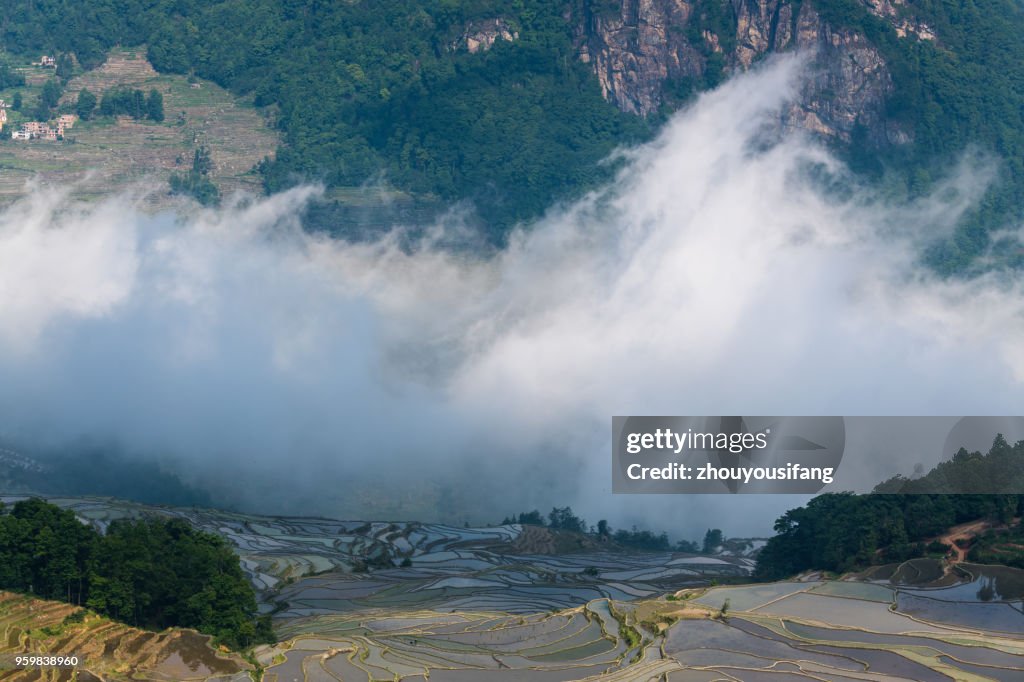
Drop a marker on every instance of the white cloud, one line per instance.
(711, 277)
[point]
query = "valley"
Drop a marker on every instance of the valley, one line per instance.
(355, 600)
(401, 261)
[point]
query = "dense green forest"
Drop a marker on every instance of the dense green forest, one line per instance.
(151, 573)
(964, 90)
(365, 90)
(125, 101)
(1000, 470)
(842, 532)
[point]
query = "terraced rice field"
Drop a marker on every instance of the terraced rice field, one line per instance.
(363, 601)
(305, 567)
(104, 156)
(106, 650)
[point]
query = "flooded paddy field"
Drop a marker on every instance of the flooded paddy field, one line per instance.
(366, 601)
(305, 567)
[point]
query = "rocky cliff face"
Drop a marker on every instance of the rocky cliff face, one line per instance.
(643, 49)
(481, 35)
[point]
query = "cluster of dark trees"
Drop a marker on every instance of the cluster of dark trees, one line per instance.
(64, 67)
(85, 105)
(842, 532)
(49, 97)
(122, 101)
(713, 538)
(16, 101)
(563, 518)
(150, 573)
(645, 540)
(560, 518)
(196, 182)
(9, 78)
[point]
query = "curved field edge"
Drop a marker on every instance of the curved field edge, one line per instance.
(109, 650)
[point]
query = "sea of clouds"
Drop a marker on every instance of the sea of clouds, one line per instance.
(291, 372)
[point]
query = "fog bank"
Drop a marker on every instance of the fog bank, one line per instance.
(295, 373)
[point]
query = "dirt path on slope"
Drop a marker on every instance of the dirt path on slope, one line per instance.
(964, 531)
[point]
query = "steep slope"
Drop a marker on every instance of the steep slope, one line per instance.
(652, 54)
(902, 87)
(513, 106)
(903, 518)
(105, 650)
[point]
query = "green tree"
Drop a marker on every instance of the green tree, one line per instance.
(642, 540)
(533, 518)
(44, 550)
(40, 112)
(712, 540)
(152, 573)
(51, 93)
(195, 183)
(65, 67)
(563, 519)
(86, 104)
(687, 546)
(9, 78)
(202, 163)
(155, 106)
(124, 101)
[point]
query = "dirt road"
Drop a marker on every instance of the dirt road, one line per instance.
(964, 531)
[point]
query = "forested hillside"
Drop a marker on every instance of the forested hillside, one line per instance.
(842, 532)
(392, 89)
(368, 88)
(963, 90)
(151, 573)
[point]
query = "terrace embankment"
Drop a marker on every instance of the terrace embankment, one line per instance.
(107, 650)
(106, 155)
(440, 603)
(540, 540)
